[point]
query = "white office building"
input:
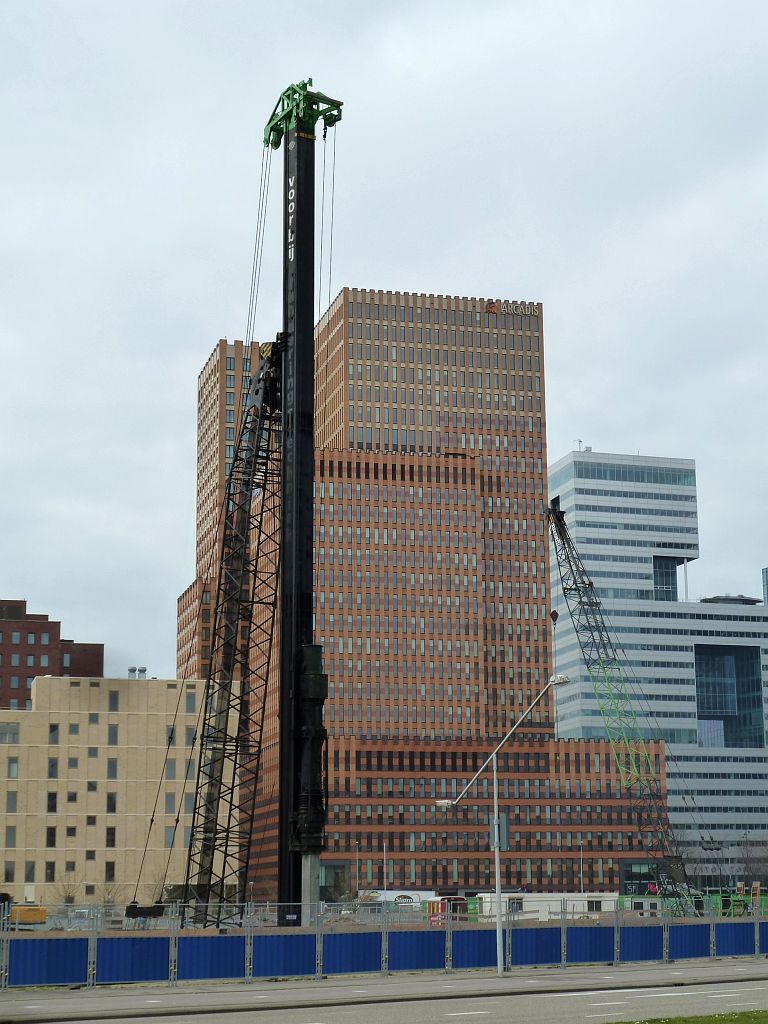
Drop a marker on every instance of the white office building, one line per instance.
(697, 670)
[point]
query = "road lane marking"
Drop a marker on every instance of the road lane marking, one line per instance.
(468, 1013)
(619, 1002)
(604, 1014)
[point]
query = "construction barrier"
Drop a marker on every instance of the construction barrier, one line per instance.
(259, 947)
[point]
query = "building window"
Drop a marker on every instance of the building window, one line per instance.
(43, 661)
(189, 803)
(111, 767)
(50, 837)
(114, 700)
(30, 661)
(71, 797)
(9, 732)
(31, 638)
(170, 803)
(10, 837)
(110, 837)
(13, 768)
(50, 871)
(109, 871)
(9, 874)
(74, 729)
(90, 890)
(112, 735)
(90, 819)
(170, 769)
(44, 638)
(170, 735)
(190, 736)
(71, 831)
(169, 833)
(51, 803)
(111, 803)
(53, 767)
(65, 661)
(190, 703)
(53, 733)
(11, 801)
(69, 867)
(92, 786)
(90, 855)
(15, 659)
(72, 762)
(29, 871)
(93, 718)
(93, 751)
(15, 637)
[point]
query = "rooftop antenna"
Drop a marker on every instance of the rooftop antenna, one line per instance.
(577, 440)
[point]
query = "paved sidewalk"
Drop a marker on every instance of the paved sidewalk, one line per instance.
(38, 1005)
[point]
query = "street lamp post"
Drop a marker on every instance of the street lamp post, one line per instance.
(491, 760)
(357, 870)
(581, 866)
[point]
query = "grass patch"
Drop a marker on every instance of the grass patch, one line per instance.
(747, 1017)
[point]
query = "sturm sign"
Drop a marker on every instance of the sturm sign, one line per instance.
(521, 308)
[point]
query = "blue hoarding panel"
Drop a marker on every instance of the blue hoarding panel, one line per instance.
(279, 956)
(37, 961)
(348, 954)
(688, 940)
(474, 948)
(734, 939)
(764, 936)
(645, 942)
(132, 959)
(211, 956)
(590, 944)
(534, 946)
(416, 951)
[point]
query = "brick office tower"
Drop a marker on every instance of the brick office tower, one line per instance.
(31, 645)
(431, 603)
(220, 388)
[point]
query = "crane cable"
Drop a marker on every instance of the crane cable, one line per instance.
(333, 195)
(322, 228)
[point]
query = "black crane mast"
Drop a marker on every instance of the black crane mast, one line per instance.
(266, 560)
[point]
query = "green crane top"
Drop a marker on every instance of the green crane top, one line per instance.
(298, 107)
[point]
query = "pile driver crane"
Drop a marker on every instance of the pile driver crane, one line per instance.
(637, 771)
(266, 565)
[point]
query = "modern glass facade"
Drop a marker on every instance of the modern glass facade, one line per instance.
(696, 671)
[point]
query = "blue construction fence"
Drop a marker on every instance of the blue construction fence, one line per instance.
(96, 959)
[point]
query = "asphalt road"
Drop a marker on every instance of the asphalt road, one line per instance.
(629, 992)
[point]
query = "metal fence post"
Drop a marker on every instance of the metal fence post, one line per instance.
(5, 943)
(318, 943)
(617, 920)
(93, 945)
(563, 932)
(448, 937)
(385, 943)
(664, 935)
(712, 933)
(248, 929)
(756, 914)
(174, 924)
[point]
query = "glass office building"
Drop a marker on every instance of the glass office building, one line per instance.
(697, 671)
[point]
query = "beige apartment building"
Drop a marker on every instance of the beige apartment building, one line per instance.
(82, 776)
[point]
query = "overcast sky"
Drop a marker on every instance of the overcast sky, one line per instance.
(608, 159)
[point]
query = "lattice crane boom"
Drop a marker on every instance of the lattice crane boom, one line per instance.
(633, 758)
